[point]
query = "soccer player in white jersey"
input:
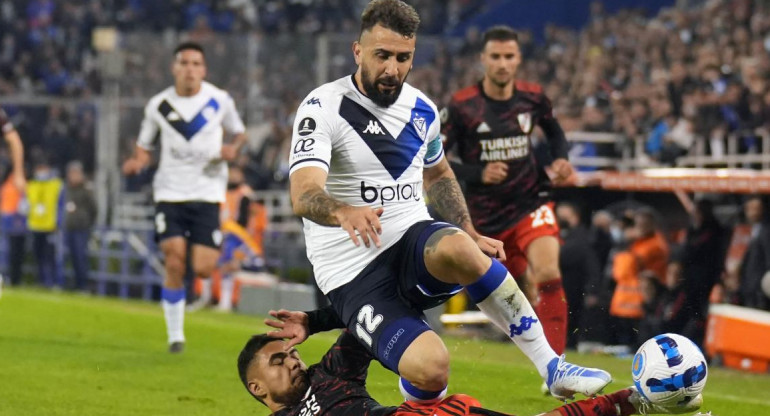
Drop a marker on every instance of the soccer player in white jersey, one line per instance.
(365, 155)
(192, 174)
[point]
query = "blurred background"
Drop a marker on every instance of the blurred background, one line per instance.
(666, 104)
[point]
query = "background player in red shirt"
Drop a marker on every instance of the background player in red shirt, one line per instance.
(488, 126)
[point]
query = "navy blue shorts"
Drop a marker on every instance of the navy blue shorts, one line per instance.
(383, 306)
(198, 222)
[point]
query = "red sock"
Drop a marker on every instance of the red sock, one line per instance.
(615, 404)
(552, 311)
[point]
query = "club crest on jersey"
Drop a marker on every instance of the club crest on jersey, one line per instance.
(525, 122)
(420, 125)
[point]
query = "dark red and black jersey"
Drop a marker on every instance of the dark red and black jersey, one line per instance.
(338, 384)
(5, 123)
(480, 130)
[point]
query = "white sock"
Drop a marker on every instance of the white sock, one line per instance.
(205, 290)
(226, 292)
(174, 314)
(502, 301)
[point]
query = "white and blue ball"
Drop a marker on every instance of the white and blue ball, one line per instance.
(669, 370)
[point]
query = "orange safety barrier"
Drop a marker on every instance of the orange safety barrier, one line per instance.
(739, 337)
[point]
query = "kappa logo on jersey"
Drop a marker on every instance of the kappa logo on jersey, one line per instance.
(188, 129)
(395, 153)
(525, 122)
(373, 128)
(306, 126)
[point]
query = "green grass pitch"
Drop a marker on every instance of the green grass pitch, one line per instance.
(63, 354)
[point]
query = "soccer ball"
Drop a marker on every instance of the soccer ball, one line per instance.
(669, 370)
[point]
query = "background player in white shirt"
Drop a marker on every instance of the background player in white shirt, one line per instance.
(363, 150)
(192, 174)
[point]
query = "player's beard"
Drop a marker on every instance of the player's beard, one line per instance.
(381, 98)
(293, 396)
(500, 81)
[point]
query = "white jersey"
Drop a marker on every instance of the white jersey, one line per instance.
(190, 167)
(374, 157)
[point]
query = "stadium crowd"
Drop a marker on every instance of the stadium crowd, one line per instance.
(673, 79)
(681, 76)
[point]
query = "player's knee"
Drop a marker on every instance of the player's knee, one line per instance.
(204, 271)
(431, 373)
(425, 363)
(175, 265)
(458, 252)
(546, 273)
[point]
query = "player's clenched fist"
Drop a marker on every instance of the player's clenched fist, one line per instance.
(494, 173)
(562, 172)
(361, 221)
(132, 166)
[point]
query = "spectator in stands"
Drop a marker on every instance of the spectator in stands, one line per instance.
(79, 219)
(756, 261)
(626, 307)
(665, 304)
(577, 260)
(600, 237)
(647, 244)
(647, 253)
(655, 144)
(678, 140)
(680, 84)
(702, 258)
(597, 300)
(712, 127)
(45, 195)
(654, 296)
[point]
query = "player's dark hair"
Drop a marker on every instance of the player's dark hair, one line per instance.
(499, 33)
(391, 14)
(189, 46)
(252, 347)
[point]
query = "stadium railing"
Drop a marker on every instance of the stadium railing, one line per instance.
(735, 155)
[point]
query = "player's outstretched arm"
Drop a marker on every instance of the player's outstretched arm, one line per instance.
(291, 325)
(17, 158)
(310, 201)
(446, 196)
(296, 326)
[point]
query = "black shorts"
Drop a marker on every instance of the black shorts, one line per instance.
(383, 306)
(198, 222)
